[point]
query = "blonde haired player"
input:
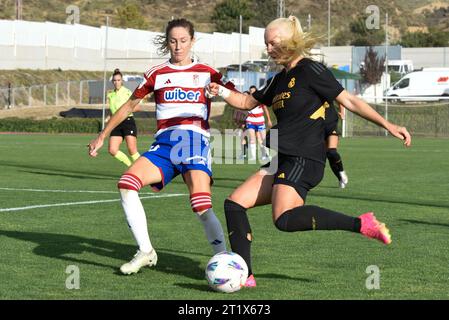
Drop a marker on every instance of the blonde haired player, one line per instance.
(297, 95)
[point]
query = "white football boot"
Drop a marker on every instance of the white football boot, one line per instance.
(141, 259)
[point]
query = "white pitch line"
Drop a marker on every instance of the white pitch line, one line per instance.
(82, 203)
(65, 191)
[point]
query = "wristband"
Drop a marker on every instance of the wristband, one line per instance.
(224, 92)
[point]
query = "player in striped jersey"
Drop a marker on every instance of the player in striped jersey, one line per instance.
(255, 126)
(182, 140)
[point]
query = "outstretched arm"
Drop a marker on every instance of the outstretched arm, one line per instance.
(364, 110)
(235, 99)
(113, 122)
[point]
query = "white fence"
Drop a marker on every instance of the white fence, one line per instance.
(63, 93)
(422, 119)
(48, 45)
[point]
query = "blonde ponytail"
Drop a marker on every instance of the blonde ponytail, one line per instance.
(294, 42)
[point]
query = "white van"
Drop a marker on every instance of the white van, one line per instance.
(428, 84)
(400, 66)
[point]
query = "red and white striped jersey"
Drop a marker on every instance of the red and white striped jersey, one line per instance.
(256, 116)
(179, 94)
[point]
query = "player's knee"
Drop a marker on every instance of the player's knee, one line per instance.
(112, 151)
(200, 202)
(232, 205)
(238, 199)
(130, 182)
(281, 222)
(237, 220)
(132, 150)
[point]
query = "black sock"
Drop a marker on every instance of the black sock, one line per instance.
(335, 162)
(239, 231)
(315, 218)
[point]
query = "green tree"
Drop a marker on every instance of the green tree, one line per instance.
(130, 16)
(373, 68)
(434, 38)
(226, 15)
(266, 12)
(362, 36)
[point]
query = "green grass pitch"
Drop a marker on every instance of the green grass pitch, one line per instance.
(406, 188)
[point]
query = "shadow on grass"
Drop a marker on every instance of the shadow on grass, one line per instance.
(194, 286)
(272, 276)
(67, 247)
(376, 198)
(427, 223)
(65, 175)
(282, 277)
(63, 172)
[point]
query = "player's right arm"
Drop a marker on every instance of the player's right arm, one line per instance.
(113, 122)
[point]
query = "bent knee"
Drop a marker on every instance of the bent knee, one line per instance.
(113, 151)
(281, 222)
(132, 151)
(201, 202)
(239, 200)
(130, 182)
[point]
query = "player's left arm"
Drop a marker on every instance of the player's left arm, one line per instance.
(341, 111)
(364, 110)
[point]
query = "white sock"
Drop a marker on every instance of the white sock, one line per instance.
(214, 231)
(252, 150)
(137, 221)
(242, 150)
(265, 151)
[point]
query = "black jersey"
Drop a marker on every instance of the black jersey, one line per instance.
(299, 99)
(331, 113)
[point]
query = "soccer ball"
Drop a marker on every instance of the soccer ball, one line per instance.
(226, 272)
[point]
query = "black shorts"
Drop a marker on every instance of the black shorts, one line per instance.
(126, 128)
(331, 128)
(300, 173)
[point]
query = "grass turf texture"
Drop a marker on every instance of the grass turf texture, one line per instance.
(407, 189)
